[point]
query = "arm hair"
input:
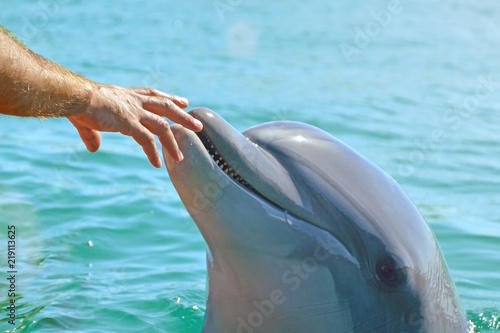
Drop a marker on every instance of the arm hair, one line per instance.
(32, 86)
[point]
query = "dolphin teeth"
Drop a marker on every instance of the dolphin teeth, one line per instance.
(221, 162)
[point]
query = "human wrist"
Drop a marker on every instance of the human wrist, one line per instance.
(85, 99)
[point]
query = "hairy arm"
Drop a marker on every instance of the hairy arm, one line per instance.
(32, 86)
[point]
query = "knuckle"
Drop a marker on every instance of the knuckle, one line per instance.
(148, 99)
(155, 91)
(160, 121)
(149, 141)
(168, 103)
(165, 124)
(144, 137)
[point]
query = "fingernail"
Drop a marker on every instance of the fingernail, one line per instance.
(180, 155)
(198, 123)
(157, 163)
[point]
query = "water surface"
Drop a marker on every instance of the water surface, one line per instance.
(104, 243)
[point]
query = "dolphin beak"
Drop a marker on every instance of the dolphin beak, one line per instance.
(253, 166)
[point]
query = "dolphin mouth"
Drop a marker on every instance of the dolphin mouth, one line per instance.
(273, 164)
(222, 163)
(250, 166)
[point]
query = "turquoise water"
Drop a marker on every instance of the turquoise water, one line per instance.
(104, 243)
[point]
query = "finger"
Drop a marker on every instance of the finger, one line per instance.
(144, 138)
(91, 138)
(166, 108)
(161, 128)
(181, 102)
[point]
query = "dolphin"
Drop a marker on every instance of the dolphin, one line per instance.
(306, 235)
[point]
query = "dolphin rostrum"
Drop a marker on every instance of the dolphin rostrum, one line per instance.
(306, 235)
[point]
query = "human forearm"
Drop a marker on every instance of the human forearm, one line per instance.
(32, 86)
(11, 36)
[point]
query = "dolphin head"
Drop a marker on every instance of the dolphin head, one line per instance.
(304, 234)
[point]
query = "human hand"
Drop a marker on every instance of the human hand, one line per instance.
(136, 112)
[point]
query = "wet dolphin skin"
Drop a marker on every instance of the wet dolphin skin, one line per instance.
(306, 235)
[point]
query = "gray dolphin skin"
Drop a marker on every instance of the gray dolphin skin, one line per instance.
(306, 235)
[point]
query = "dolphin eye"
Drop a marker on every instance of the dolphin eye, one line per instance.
(388, 273)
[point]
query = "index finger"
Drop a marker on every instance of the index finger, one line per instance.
(180, 101)
(166, 108)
